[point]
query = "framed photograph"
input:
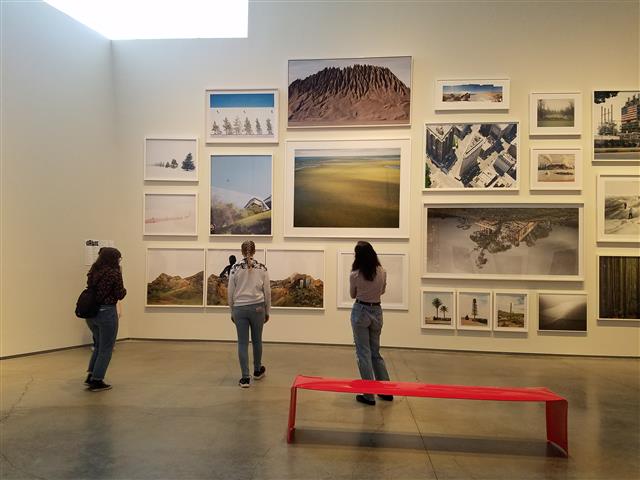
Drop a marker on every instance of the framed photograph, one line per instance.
(170, 213)
(175, 277)
(510, 311)
(618, 208)
(350, 189)
(242, 116)
(218, 267)
(474, 309)
(241, 187)
(471, 156)
(171, 159)
(619, 287)
(555, 113)
(438, 308)
(472, 94)
(504, 241)
(349, 92)
(614, 125)
(396, 296)
(562, 311)
(297, 278)
(556, 169)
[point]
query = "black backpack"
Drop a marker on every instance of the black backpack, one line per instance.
(87, 305)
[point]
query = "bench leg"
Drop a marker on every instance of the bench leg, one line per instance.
(292, 415)
(557, 427)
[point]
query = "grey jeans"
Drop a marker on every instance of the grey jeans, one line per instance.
(366, 323)
(104, 328)
(249, 317)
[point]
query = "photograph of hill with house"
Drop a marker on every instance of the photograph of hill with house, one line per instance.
(240, 195)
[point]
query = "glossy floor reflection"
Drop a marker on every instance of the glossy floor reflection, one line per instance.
(175, 412)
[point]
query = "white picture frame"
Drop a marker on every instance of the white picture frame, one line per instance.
(347, 210)
(311, 79)
(608, 141)
(518, 301)
(556, 113)
(170, 269)
(243, 189)
(557, 169)
(166, 159)
(173, 213)
(564, 311)
(447, 298)
(472, 94)
(618, 213)
(471, 156)
(284, 266)
(457, 253)
(465, 309)
(396, 264)
(217, 259)
(258, 106)
(618, 284)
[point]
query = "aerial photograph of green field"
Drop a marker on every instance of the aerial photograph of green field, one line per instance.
(347, 188)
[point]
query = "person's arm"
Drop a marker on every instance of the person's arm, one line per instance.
(352, 284)
(384, 282)
(231, 287)
(266, 289)
(118, 289)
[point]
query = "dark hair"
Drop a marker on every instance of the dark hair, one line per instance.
(232, 259)
(366, 260)
(108, 258)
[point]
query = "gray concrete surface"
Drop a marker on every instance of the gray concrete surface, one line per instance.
(176, 412)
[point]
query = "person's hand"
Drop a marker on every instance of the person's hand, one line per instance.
(232, 320)
(266, 318)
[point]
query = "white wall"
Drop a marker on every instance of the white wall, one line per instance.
(60, 174)
(159, 90)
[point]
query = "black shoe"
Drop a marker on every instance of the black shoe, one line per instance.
(388, 398)
(87, 382)
(365, 400)
(244, 382)
(98, 386)
(258, 374)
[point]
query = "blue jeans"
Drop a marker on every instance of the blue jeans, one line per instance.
(366, 322)
(249, 317)
(104, 328)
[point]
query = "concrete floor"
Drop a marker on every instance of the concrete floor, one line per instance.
(175, 412)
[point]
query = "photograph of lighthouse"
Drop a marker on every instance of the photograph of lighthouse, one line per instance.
(616, 125)
(471, 156)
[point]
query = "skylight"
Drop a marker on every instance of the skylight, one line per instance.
(155, 19)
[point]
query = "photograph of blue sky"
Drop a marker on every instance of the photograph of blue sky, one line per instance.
(241, 100)
(472, 88)
(237, 178)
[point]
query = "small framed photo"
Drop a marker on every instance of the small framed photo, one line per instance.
(474, 309)
(510, 311)
(297, 278)
(556, 169)
(555, 113)
(614, 125)
(472, 94)
(438, 308)
(171, 213)
(619, 287)
(172, 159)
(242, 116)
(562, 311)
(175, 277)
(618, 208)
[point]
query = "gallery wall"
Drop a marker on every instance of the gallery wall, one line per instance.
(159, 91)
(60, 173)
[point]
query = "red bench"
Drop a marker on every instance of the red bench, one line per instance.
(557, 407)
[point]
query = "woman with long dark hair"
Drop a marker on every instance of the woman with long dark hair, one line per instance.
(249, 296)
(367, 283)
(105, 278)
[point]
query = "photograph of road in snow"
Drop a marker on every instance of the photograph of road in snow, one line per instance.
(240, 195)
(242, 116)
(566, 311)
(618, 208)
(171, 159)
(170, 214)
